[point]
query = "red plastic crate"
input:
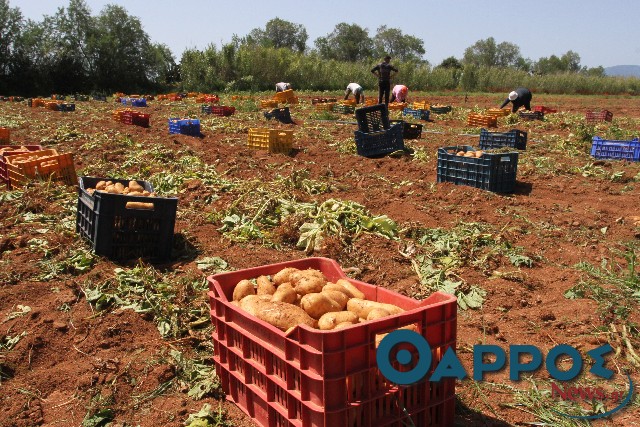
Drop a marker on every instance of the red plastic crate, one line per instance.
(12, 150)
(222, 110)
(543, 109)
(140, 119)
(327, 378)
(5, 136)
(599, 116)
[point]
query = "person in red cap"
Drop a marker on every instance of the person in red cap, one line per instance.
(521, 97)
(399, 93)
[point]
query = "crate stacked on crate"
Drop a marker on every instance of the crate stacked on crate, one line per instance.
(207, 99)
(286, 97)
(184, 126)
(46, 165)
(462, 165)
(420, 105)
(12, 150)
(272, 140)
(419, 114)
(531, 115)
(409, 130)
(283, 115)
(375, 135)
(218, 110)
(498, 112)
(440, 109)
(544, 110)
(131, 117)
(329, 378)
(5, 135)
(397, 106)
(615, 149)
(125, 226)
(482, 120)
(598, 116)
(514, 138)
(268, 103)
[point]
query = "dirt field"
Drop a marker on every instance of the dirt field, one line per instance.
(556, 262)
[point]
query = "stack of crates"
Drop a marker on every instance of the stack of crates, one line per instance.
(491, 171)
(268, 103)
(12, 150)
(46, 165)
(514, 138)
(309, 377)
(598, 116)
(498, 112)
(418, 114)
(273, 140)
(615, 150)
(375, 135)
(421, 105)
(131, 117)
(120, 227)
(184, 126)
(481, 120)
(286, 96)
(399, 106)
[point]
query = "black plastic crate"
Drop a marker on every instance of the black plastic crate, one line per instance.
(492, 171)
(283, 115)
(440, 109)
(373, 119)
(121, 233)
(531, 115)
(67, 107)
(380, 143)
(514, 138)
(409, 130)
(416, 113)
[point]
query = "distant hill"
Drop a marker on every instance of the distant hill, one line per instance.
(623, 70)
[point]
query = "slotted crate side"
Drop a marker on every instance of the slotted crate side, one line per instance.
(498, 112)
(184, 126)
(372, 119)
(514, 138)
(325, 106)
(421, 105)
(615, 149)
(418, 114)
(120, 232)
(273, 140)
(284, 96)
(369, 144)
(42, 164)
(409, 130)
(493, 172)
(543, 109)
(531, 115)
(479, 120)
(268, 103)
(327, 378)
(599, 116)
(13, 150)
(344, 108)
(440, 109)
(221, 110)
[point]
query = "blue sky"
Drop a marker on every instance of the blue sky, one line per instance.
(601, 32)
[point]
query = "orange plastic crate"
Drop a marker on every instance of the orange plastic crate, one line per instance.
(273, 140)
(498, 112)
(268, 103)
(43, 164)
(311, 377)
(12, 150)
(349, 102)
(397, 106)
(325, 106)
(284, 96)
(480, 120)
(421, 105)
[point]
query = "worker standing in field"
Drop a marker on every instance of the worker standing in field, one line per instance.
(357, 91)
(520, 97)
(383, 72)
(399, 93)
(282, 86)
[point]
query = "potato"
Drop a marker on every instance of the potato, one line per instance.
(340, 297)
(330, 320)
(279, 314)
(362, 307)
(242, 289)
(377, 313)
(335, 287)
(285, 293)
(139, 205)
(296, 276)
(479, 153)
(309, 284)
(343, 325)
(353, 291)
(119, 187)
(111, 189)
(316, 304)
(470, 154)
(134, 186)
(284, 275)
(265, 287)
(101, 185)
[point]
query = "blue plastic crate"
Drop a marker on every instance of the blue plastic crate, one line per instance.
(612, 149)
(184, 126)
(492, 171)
(380, 143)
(514, 138)
(139, 102)
(418, 114)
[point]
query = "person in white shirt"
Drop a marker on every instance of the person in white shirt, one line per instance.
(282, 86)
(357, 90)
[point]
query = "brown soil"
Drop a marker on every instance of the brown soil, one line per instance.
(72, 357)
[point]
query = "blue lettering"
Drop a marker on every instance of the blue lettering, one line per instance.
(479, 368)
(552, 357)
(598, 367)
(449, 367)
(516, 367)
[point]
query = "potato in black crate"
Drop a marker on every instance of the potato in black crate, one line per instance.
(121, 226)
(410, 130)
(514, 138)
(490, 171)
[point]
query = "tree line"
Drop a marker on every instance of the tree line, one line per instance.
(76, 52)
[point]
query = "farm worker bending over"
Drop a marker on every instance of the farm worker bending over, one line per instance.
(519, 97)
(383, 72)
(282, 86)
(399, 93)
(357, 91)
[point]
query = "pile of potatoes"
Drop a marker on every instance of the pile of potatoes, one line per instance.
(133, 189)
(295, 297)
(470, 153)
(47, 158)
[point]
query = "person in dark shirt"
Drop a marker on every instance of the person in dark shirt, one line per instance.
(383, 72)
(519, 98)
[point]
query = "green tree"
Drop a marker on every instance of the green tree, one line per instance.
(567, 63)
(10, 28)
(391, 41)
(486, 53)
(451, 62)
(347, 42)
(279, 33)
